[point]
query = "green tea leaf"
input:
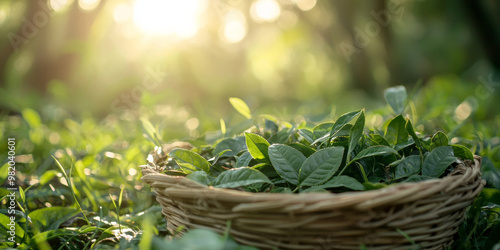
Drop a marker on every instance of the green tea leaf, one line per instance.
(50, 218)
(190, 161)
(307, 134)
(286, 161)
(236, 145)
(257, 146)
(243, 160)
(378, 140)
(22, 195)
(462, 152)
(418, 178)
(356, 133)
(408, 166)
(437, 161)
(240, 177)
(241, 107)
(320, 166)
(396, 97)
(373, 186)
(150, 132)
(439, 139)
(200, 177)
(305, 150)
(411, 132)
(374, 151)
(342, 121)
(321, 132)
(47, 176)
(343, 181)
(267, 169)
(396, 132)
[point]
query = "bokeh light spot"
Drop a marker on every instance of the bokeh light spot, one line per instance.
(305, 5)
(265, 10)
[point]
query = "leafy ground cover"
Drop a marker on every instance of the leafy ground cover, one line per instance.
(79, 181)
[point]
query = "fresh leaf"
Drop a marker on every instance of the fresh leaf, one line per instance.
(257, 146)
(286, 161)
(305, 150)
(437, 161)
(320, 166)
(343, 181)
(396, 132)
(396, 97)
(241, 107)
(243, 160)
(50, 218)
(5, 228)
(374, 151)
(321, 132)
(222, 126)
(150, 132)
(439, 139)
(373, 186)
(240, 177)
(190, 161)
(411, 132)
(408, 166)
(236, 145)
(307, 134)
(462, 152)
(342, 121)
(418, 178)
(378, 140)
(200, 177)
(356, 133)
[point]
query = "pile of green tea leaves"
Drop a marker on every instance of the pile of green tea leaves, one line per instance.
(335, 156)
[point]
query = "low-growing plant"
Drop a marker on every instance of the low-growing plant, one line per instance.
(333, 156)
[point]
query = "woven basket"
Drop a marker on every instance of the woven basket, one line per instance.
(429, 212)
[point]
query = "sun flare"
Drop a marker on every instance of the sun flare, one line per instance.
(169, 17)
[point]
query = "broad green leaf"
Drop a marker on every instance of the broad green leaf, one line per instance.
(321, 132)
(396, 97)
(257, 146)
(356, 133)
(240, 177)
(418, 178)
(437, 161)
(236, 145)
(243, 160)
(408, 166)
(307, 134)
(439, 139)
(320, 166)
(396, 132)
(7, 224)
(379, 140)
(200, 177)
(271, 126)
(50, 218)
(267, 169)
(343, 181)
(342, 121)
(411, 132)
(286, 161)
(241, 107)
(374, 151)
(403, 145)
(190, 161)
(305, 150)
(32, 118)
(462, 152)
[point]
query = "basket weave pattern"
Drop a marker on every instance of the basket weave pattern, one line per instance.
(429, 212)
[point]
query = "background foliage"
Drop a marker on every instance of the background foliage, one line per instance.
(81, 81)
